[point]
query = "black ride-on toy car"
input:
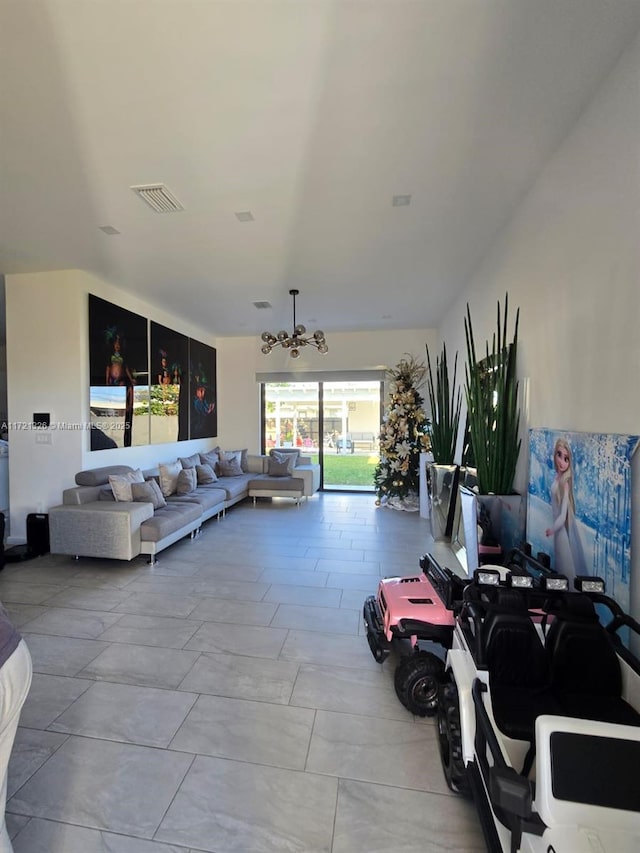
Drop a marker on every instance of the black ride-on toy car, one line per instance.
(539, 713)
(417, 608)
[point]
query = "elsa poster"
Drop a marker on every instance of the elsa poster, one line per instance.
(579, 504)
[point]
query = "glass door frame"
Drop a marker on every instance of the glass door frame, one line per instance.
(321, 418)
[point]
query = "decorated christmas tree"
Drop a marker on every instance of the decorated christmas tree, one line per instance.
(404, 435)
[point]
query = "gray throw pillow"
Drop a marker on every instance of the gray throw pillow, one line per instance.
(240, 455)
(278, 466)
(291, 452)
(106, 494)
(148, 492)
(190, 461)
(230, 469)
(187, 481)
(288, 459)
(205, 475)
(211, 458)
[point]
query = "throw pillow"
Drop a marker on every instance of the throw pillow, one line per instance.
(229, 469)
(205, 474)
(187, 481)
(121, 484)
(287, 458)
(190, 461)
(240, 456)
(106, 494)
(231, 456)
(211, 458)
(169, 478)
(291, 452)
(148, 492)
(279, 466)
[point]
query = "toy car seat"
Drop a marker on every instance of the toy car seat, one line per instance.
(518, 669)
(585, 672)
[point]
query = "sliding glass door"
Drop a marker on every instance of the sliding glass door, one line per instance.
(336, 423)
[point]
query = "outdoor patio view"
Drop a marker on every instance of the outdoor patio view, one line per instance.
(336, 423)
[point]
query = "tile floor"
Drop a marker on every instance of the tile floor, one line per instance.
(226, 699)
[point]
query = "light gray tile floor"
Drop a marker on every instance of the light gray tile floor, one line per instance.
(226, 699)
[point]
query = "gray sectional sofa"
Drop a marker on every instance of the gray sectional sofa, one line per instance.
(91, 523)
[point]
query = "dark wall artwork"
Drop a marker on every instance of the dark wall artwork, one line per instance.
(119, 376)
(169, 388)
(203, 413)
(133, 402)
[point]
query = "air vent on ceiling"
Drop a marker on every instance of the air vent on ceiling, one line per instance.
(244, 216)
(401, 201)
(158, 197)
(109, 229)
(262, 305)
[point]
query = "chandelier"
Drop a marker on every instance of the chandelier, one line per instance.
(297, 340)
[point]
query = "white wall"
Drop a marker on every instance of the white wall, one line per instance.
(240, 359)
(570, 258)
(48, 371)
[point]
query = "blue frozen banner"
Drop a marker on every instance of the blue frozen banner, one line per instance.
(579, 504)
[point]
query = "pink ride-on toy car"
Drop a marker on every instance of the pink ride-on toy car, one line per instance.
(417, 607)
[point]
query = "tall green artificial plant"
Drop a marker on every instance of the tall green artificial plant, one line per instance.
(491, 390)
(445, 408)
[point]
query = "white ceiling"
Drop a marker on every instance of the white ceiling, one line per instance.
(311, 114)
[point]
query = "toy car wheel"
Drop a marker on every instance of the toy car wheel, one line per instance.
(417, 682)
(450, 740)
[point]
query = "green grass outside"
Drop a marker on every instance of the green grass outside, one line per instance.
(348, 470)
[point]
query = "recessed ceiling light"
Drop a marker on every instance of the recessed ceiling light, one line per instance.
(109, 229)
(244, 216)
(401, 200)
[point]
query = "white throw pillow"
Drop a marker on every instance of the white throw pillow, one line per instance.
(169, 478)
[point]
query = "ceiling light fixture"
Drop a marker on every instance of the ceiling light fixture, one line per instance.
(297, 340)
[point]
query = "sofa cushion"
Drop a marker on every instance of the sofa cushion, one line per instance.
(106, 494)
(100, 476)
(148, 491)
(169, 477)
(187, 481)
(235, 487)
(266, 483)
(190, 461)
(205, 497)
(121, 484)
(205, 475)
(168, 519)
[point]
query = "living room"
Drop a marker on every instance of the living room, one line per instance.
(566, 255)
(563, 243)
